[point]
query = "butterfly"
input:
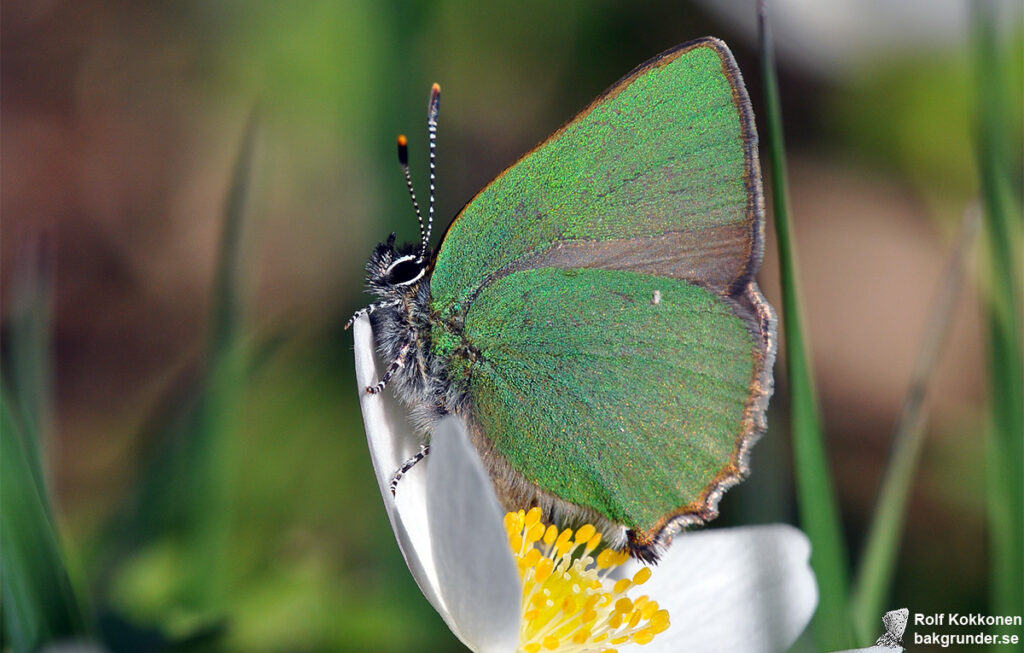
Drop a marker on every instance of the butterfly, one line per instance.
(592, 313)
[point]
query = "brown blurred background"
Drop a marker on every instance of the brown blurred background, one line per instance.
(120, 124)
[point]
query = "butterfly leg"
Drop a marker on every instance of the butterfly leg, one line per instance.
(407, 465)
(376, 306)
(395, 366)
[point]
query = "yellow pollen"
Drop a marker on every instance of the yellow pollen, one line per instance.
(569, 603)
(549, 535)
(585, 532)
(642, 576)
(644, 636)
(606, 558)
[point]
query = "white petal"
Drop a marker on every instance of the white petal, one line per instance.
(478, 578)
(392, 442)
(748, 590)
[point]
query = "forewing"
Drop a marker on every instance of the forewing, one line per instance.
(631, 395)
(658, 175)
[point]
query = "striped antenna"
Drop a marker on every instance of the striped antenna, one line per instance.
(432, 110)
(403, 160)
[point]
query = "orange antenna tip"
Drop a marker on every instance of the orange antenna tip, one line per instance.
(403, 156)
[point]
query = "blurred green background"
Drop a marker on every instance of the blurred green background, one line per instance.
(121, 123)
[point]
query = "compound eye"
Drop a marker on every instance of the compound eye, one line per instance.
(404, 272)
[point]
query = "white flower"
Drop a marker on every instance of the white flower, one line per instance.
(744, 589)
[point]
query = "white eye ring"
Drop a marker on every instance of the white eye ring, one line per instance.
(399, 261)
(404, 259)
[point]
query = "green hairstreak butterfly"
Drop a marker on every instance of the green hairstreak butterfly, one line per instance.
(592, 314)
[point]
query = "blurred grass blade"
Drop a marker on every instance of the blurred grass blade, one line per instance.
(183, 495)
(226, 308)
(39, 603)
(1003, 304)
(819, 514)
(26, 358)
(208, 457)
(874, 577)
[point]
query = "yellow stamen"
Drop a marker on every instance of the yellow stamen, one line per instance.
(642, 576)
(569, 604)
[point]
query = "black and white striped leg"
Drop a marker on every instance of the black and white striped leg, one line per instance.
(407, 465)
(376, 306)
(395, 366)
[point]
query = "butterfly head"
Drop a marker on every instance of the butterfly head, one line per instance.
(395, 271)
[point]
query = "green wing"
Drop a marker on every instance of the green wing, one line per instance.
(603, 398)
(542, 299)
(657, 175)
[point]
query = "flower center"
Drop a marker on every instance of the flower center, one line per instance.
(569, 604)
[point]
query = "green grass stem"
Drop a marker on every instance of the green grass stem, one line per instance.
(1004, 322)
(873, 582)
(211, 451)
(27, 365)
(39, 602)
(819, 514)
(183, 496)
(40, 605)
